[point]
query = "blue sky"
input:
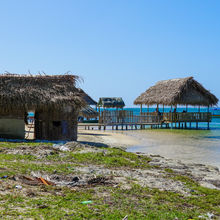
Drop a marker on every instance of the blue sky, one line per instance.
(119, 47)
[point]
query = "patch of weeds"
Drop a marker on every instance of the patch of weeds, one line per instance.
(203, 198)
(168, 170)
(13, 157)
(26, 168)
(14, 145)
(112, 158)
(185, 179)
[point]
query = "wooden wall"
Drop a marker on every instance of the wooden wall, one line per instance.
(56, 125)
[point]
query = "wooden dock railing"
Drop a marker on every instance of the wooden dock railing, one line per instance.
(128, 117)
(187, 117)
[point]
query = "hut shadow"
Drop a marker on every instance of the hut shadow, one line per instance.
(93, 134)
(32, 141)
(94, 144)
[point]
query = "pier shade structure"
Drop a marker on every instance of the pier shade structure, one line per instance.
(88, 112)
(184, 92)
(111, 102)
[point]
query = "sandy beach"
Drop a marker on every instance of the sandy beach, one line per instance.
(108, 137)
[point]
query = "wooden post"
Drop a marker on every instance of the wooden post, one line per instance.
(208, 119)
(171, 116)
(141, 109)
(197, 124)
(147, 108)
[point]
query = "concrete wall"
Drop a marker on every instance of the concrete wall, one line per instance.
(12, 128)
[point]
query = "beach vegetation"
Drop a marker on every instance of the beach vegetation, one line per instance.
(108, 201)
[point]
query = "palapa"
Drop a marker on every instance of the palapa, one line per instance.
(182, 91)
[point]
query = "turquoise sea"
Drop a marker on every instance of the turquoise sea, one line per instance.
(199, 146)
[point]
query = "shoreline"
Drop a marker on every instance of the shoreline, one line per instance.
(206, 175)
(188, 146)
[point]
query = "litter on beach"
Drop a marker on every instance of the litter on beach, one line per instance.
(60, 147)
(87, 202)
(18, 187)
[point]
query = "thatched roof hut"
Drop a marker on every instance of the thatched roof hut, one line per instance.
(55, 100)
(111, 102)
(26, 92)
(182, 91)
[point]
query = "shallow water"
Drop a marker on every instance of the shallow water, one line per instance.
(199, 146)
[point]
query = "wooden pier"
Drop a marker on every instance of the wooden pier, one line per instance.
(126, 120)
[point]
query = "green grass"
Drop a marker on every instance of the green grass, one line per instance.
(28, 144)
(113, 157)
(108, 202)
(137, 202)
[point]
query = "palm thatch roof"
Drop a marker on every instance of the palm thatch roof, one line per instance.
(87, 98)
(181, 91)
(25, 92)
(88, 112)
(111, 102)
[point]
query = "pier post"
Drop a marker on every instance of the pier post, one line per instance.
(208, 121)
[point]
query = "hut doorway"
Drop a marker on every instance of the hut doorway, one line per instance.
(29, 125)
